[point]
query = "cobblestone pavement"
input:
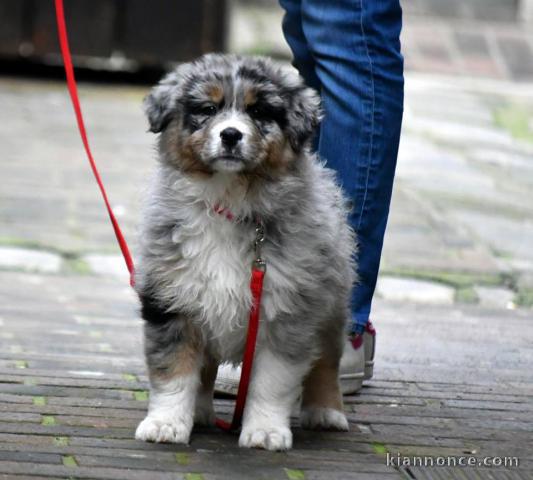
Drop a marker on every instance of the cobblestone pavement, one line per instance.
(450, 382)
(455, 357)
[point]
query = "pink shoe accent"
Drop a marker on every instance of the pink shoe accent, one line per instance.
(356, 341)
(370, 329)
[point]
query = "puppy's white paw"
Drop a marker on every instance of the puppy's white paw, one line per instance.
(163, 430)
(269, 438)
(320, 418)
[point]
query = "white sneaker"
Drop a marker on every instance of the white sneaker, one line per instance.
(352, 367)
(357, 364)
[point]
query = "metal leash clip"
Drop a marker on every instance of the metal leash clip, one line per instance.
(259, 262)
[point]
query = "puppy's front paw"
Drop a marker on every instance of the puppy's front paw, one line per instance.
(163, 430)
(321, 418)
(267, 437)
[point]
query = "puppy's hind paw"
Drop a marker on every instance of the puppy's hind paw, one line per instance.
(152, 429)
(269, 438)
(321, 418)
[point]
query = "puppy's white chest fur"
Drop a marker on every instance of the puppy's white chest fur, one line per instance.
(212, 276)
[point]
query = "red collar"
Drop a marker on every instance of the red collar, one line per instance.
(226, 212)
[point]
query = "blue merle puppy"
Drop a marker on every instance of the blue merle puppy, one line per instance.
(234, 152)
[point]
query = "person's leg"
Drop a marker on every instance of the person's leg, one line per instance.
(356, 50)
(292, 30)
(350, 54)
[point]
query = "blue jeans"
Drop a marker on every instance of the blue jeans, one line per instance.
(349, 50)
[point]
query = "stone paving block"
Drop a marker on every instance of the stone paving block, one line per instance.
(476, 55)
(462, 135)
(472, 44)
(55, 410)
(389, 400)
(20, 417)
(30, 457)
(511, 236)
(44, 391)
(405, 289)
(32, 260)
(525, 280)
(495, 297)
(434, 49)
(107, 265)
(77, 382)
(44, 374)
(58, 430)
(498, 10)
(518, 56)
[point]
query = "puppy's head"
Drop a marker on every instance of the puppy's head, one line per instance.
(233, 114)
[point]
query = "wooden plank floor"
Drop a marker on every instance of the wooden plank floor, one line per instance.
(73, 388)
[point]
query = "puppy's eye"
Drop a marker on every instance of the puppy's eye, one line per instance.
(255, 111)
(266, 113)
(208, 110)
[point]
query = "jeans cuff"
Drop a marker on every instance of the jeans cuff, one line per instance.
(358, 325)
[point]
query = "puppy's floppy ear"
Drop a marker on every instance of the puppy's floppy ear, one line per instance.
(160, 104)
(158, 108)
(303, 117)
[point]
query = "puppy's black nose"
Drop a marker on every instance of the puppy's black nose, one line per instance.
(230, 136)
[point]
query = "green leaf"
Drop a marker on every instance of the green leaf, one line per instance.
(293, 474)
(516, 120)
(40, 401)
(129, 377)
(379, 448)
(48, 420)
(182, 458)
(69, 461)
(140, 395)
(194, 476)
(61, 441)
(21, 364)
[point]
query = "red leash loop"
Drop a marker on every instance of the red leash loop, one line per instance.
(258, 272)
(73, 90)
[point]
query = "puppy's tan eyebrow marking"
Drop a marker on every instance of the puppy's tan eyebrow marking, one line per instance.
(215, 93)
(250, 97)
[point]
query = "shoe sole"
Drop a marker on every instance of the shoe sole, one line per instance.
(351, 383)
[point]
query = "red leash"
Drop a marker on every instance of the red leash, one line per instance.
(256, 285)
(73, 90)
(258, 270)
